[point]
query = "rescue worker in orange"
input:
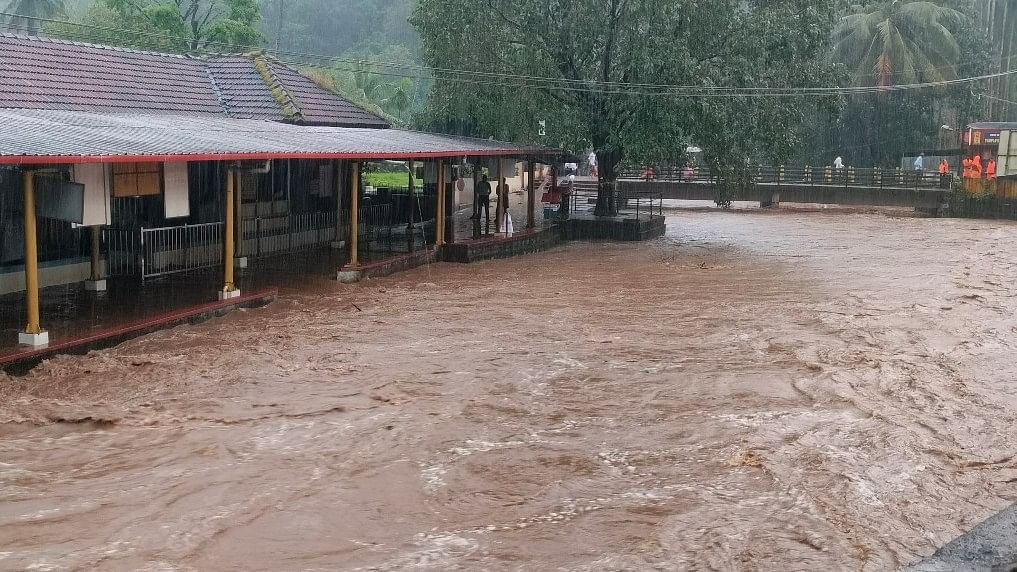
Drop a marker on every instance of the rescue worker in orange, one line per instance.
(990, 170)
(976, 167)
(967, 168)
(944, 167)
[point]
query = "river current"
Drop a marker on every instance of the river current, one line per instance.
(754, 391)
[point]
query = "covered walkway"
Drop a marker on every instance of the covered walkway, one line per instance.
(69, 164)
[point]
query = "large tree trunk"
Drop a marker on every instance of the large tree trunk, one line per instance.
(607, 167)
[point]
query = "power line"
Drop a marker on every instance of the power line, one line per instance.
(498, 79)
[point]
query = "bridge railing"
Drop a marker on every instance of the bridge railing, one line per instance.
(874, 177)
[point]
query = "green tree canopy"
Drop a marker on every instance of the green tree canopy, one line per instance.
(606, 62)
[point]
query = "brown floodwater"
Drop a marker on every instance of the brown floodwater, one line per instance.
(755, 391)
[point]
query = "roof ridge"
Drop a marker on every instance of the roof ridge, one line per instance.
(383, 116)
(108, 47)
(288, 103)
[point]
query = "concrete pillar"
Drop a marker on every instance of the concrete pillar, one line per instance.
(33, 335)
(229, 288)
(531, 196)
(95, 282)
(354, 214)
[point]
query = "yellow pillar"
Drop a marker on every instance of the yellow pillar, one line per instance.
(340, 176)
(95, 282)
(354, 213)
(96, 269)
(238, 214)
(411, 199)
(229, 289)
(531, 196)
(33, 335)
(439, 215)
(498, 211)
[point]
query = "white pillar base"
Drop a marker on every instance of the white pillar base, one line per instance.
(33, 340)
(229, 295)
(95, 285)
(241, 262)
(338, 244)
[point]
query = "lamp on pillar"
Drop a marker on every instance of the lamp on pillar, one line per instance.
(33, 335)
(229, 289)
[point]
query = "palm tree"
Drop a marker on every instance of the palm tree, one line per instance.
(899, 41)
(26, 13)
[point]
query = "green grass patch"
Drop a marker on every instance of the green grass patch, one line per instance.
(388, 180)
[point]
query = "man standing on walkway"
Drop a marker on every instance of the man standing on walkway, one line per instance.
(920, 162)
(484, 203)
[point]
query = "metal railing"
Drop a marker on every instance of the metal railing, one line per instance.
(874, 177)
(265, 236)
(151, 252)
(642, 205)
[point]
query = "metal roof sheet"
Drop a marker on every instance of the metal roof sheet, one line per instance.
(47, 136)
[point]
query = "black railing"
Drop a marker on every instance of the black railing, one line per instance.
(874, 177)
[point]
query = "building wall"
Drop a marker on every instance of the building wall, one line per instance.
(58, 273)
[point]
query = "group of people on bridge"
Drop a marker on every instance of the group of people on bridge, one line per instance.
(973, 168)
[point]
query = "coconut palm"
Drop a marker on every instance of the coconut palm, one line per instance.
(899, 41)
(26, 13)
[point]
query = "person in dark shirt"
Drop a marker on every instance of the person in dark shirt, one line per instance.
(484, 202)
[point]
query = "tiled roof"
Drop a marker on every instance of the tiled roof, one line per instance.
(242, 89)
(54, 74)
(51, 74)
(318, 106)
(45, 136)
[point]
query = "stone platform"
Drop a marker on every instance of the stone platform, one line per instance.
(502, 246)
(623, 227)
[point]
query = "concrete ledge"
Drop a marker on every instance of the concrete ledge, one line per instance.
(24, 359)
(95, 285)
(622, 228)
(524, 242)
(351, 274)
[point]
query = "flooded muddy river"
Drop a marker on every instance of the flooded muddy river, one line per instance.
(755, 391)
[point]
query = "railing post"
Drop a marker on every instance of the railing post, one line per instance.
(141, 246)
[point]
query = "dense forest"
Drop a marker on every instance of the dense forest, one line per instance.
(605, 74)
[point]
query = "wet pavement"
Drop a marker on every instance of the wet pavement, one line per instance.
(756, 390)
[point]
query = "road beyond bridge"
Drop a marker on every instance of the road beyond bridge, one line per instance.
(928, 192)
